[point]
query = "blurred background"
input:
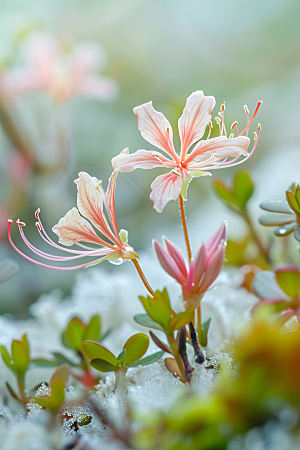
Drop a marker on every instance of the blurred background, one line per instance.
(121, 54)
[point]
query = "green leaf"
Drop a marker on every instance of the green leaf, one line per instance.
(293, 202)
(122, 355)
(103, 366)
(136, 347)
(289, 281)
(204, 331)
(181, 319)
(62, 374)
(285, 230)
(19, 356)
(160, 344)
(146, 321)
(75, 333)
(92, 332)
(93, 350)
(243, 187)
(40, 362)
(6, 357)
(159, 308)
(225, 194)
(149, 359)
(56, 398)
(278, 206)
(61, 359)
(271, 219)
(26, 347)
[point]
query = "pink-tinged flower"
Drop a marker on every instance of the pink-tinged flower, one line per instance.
(203, 270)
(60, 69)
(73, 228)
(206, 155)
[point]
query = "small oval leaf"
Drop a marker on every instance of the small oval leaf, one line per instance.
(103, 366)
(146, 321)
(149, 359)
(93, 350)
(136, 347)
(92, 332)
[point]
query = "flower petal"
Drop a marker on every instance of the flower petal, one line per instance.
(176, 254)
(199, 264)
(73, 228)
(168, 263)
(219, 147)
(155, 128)
(142, 159)
(213, 269)
(110, 204)
(194, 120)
(90, 199)
(165, 188)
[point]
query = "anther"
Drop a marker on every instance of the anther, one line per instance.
(246, 109)
(37, 224)
(223, 107)
(37, 213)
(255, 135)
(234, 125)
(259, 126)
(220, 115)
(9, 220)
(210, 124)
(231, 136)
(22, 224)
(217, 119)
(168, 130)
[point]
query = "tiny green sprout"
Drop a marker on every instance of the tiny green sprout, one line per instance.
(160, 315)
(54, 397)
(18, 363)
(134, 349)
(236, 196)
(284, 214)
(77, 332)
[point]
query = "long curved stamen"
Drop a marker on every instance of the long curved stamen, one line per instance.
(41, 264)
(47, 239)
(254, 114)
(247, 115)
(56, 257)
(230, 163)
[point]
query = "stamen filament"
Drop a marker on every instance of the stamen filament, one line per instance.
(249, 123)
(142, 276)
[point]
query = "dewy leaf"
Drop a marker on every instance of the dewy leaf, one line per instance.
(103, 366)
(271, 219)
(75, 333)
(146, 321)
(160, 344)
(8, 269)
(243, 187)
(92, 332)
(93, 350)
(149, 359)
(204, 332)
(266, 287)
(285, 230)
(159, 308)
(181, 319)
(289, 281)
(56, 398)
(278, 206)
(136, 347)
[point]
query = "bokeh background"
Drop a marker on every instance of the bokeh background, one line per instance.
(156, 50)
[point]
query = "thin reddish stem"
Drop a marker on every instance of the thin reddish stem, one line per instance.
(142, 276)
(184, 226)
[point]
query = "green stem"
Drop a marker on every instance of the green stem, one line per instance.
(21, 385)
(263, 250)
(199, 322)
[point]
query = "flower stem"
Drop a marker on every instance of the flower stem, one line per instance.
(142, 276)
(264, 251)
(184, 226)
